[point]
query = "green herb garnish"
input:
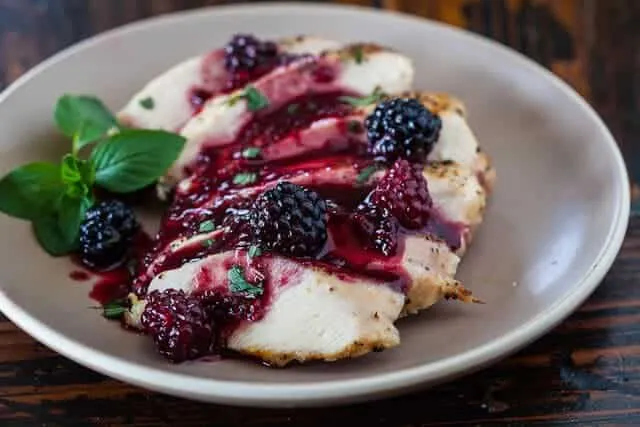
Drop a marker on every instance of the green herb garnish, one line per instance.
(375, 97)
(366, 173)
(206, 226)
(254, 251)
(255, 99)
(56, 196)
(115, 309)
(251, 152)
(358, 54)
(245, 178)
(238, 284)
(208, 243)
(147, 103)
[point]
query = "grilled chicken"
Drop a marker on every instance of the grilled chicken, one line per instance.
(314, 313)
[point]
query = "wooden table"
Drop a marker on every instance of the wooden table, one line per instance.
(585, 372)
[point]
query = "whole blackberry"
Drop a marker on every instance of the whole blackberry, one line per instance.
(106, 234)
(402, 128)
(245, 53)
(403, 192)
(377, 226)
(179, 324)
(290, 220)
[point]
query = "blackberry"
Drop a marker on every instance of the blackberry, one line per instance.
(290, 220)
(245, 53)
(403, 191)
(179, 324)
(377, 226)
(402, 128)
(106, 234)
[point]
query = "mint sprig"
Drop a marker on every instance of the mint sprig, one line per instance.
(55, 197)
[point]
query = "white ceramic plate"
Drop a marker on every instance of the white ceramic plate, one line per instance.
(553, 228)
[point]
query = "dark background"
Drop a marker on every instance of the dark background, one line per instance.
(585, 372)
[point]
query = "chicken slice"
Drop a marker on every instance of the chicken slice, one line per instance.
(315, 315)
(170, 92)
(312, 315)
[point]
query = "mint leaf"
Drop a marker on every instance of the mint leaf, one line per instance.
(51, 238)
(133, 159)
(208, 243)
(71, 212)
(255, 99)
(31, 191)
(374, 98)
(366, 173)
(245, 178)
(251, 152)
(147, 103)
(254, 251)
(83, 118)
(238, 284)
(115, 309)
(206, 226)
(87, 172)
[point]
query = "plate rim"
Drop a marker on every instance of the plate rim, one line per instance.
(339, 390)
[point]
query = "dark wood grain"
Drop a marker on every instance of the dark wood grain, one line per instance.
(585, 372)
